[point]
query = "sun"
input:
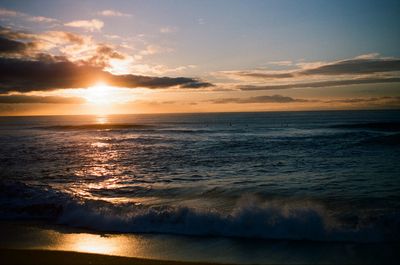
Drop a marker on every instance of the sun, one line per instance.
(100, 94)
(101, 98)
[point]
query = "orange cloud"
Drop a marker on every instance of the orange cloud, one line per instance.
(90, 25)
(113, 13)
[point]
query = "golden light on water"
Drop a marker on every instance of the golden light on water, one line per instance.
(95, 243)
(102, 119)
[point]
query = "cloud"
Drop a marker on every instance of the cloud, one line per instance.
(321, 84)
(8, 33)
(355, 67)
(153, 49)
(261, 99)
(103, 54)
(201, 21)
(168, 29)
(365, 100)
(12, 13)
(80, 63)
(90, 25)
(42, 19)
(368, 56)
(134, 81)
(11, 47)
(49, 74)
(258, 75)
(358, 66)
(113, 13)
(9, 13)
(363, 69)
(28, 99)
(281, 63)
(74, 47)
(8, 46)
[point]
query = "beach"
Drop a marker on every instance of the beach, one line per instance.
(47, 257)
(39, 243)
(200, 132)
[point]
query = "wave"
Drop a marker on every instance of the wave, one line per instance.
(250, 218)
(381, 126)
(118, 126)
(386, 140)
(106, 126)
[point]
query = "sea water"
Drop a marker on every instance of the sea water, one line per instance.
(326, 176)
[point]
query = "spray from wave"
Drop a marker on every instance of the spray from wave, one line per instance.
(250, 218)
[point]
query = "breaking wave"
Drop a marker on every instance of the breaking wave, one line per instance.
(250, 218)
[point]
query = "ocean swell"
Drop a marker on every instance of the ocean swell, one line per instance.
(264, 221)
(250, 218)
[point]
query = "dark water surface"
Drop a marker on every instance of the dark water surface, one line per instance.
(319, 176)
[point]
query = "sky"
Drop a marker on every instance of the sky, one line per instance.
(119, 57)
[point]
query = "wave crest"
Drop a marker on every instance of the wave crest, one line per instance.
(251, 218)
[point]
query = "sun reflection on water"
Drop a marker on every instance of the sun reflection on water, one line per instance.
(103, 119)
(94, 243)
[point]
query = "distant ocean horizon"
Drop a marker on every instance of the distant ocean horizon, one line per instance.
(325, 176)
(203, 112)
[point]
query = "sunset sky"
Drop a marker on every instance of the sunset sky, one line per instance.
(114, 57)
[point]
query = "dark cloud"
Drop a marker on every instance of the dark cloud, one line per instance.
(25, 69)
(365, 100)
(261, 99)
(154, 82)
(264, 75)
(49, 74)
(11, 46)
(285, 99)
(345, 67)
(103, 55)
(26, 75)
(320, 84)
(16, 99)
(355, 67)
(12, 34)
(73, 38)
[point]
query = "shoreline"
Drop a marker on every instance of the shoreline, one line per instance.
(61, 257)
(38, 243)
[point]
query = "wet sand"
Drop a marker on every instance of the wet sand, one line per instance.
(39, 243)
(29, 256)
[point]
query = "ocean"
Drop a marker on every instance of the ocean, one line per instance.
(325, 177)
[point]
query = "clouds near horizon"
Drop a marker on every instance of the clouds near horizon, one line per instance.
(261, 99)
(368, 69)
(357, 66)
(31, 99)
(321, 84)
(49, 55)
(280, 99)
(26, 65)
(41, 75)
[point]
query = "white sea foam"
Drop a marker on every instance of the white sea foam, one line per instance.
(250, 218)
